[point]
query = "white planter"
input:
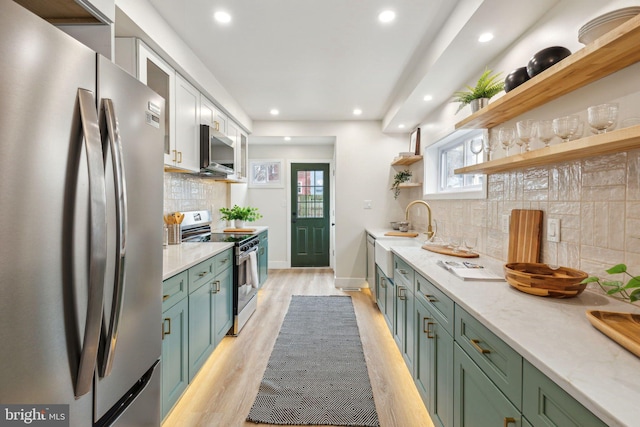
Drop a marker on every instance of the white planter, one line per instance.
(239, 223)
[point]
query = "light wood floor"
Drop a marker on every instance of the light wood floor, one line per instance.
(223, 392)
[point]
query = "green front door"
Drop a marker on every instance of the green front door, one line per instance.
(309, 214)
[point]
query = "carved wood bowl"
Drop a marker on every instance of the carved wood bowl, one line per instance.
(541, 280)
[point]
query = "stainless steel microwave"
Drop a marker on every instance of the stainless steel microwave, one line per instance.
(216, 151)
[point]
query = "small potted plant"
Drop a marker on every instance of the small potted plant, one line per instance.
(487, 87)
(399, 178)
(629, 291)
(239, 215)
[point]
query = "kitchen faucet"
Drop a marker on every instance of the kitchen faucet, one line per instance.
(430, 233)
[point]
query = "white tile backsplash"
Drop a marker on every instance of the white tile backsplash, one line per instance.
(596, 199)
(183, 192)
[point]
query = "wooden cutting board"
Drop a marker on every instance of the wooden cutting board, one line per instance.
(525, 235)
(401, 234)
(448, 251)
(239, 230)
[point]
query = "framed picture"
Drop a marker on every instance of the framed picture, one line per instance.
(266, 173)
(414, 144)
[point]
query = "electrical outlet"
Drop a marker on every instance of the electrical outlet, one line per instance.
(505, 223)
(367, 204)
(553, 230)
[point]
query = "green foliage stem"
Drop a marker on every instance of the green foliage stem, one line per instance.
(399, 178)
(242, 213)
(629, 291)
(488, 86)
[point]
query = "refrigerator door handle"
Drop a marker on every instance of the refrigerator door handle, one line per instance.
(115, 145)
(98, 241)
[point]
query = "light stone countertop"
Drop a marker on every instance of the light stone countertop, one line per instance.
(258, 228)
(177, 258)
(554, 335)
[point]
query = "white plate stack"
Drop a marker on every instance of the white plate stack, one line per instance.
(605, 23)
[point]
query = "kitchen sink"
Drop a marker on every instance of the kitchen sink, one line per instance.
(384, 256)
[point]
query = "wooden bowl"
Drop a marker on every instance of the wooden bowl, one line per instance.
(541, 280)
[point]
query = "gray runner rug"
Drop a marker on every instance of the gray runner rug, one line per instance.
(317, 373)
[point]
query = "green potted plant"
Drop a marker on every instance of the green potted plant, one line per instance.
(629, 291)
(487, 87)
(399, 178)
(239, 215)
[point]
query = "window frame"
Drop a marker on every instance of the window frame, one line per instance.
(433, 167)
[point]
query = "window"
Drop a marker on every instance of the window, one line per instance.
(310, 194)
(445, 156)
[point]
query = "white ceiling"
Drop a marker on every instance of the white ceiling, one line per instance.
(320, 59)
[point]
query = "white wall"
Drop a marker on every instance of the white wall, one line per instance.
(274, 203)
(363, 172)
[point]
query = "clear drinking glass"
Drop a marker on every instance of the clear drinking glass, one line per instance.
(456, 241)
(602, 117)
(565, 127)
(470, 242)
(506, 136)
(475, 145)
(579, 133)
(545, 131)
(489, 146)
(526, 130)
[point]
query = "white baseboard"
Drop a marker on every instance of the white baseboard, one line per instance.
(351, 283)
(278, 265)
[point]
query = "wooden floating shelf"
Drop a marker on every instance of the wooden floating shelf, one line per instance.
(408, 160)
(612, 52)
(410, 185)
(596, 145)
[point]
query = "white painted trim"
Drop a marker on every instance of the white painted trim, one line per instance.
(278, 265)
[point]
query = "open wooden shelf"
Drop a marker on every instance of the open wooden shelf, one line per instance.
(410, 185)
(612, 52)
(595, 145)
(408, 160)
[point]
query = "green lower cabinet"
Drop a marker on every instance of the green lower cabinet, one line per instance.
(477, 401)
(263, 257)
(386, 297)
(433, 365)
(526, 423)
(546, 404)
(174, 354)
(403, 323)
(201, 336)
(381, 291)
(222, 304)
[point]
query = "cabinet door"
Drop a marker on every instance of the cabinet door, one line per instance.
(477, 401)
(400, 315)
(187, 154)
(546, 404)
(207, 112)
(243, 155)
(390, 303)
(263, 258)
(161, 77)
(433, 365)
(381, 292)
(201, 337)
(174, 354)
(222, 304)
(403, 332)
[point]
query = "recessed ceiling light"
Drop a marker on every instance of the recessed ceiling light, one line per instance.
(357, 112)
(387, 16)
(274, 112)
(428, 98)
(222, 17)
(485, 37)
(401, 126)
(287, 138)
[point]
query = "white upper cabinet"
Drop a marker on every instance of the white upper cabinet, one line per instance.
(211, 115)
(186, 153)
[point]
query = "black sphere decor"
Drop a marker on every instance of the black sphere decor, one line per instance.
(515, 78)
(545, 59)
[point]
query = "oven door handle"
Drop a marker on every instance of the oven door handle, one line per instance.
(245, 255)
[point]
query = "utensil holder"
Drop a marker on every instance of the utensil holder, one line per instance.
(174, 234)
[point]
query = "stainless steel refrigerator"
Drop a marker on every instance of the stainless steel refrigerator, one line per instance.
(81, 155)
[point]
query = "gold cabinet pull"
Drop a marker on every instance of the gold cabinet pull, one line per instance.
(509, 420)
(383, 282)
(165, 297)
(202, 274)
(426, 327)
(401, 294)
(476, 345)
(175, 156)
(180, 154)
(430, 298)
(164, 322)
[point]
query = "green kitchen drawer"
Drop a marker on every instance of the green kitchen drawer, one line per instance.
(544, 403)
(403, 274)
(501, 363)
(222, 261)
(174, 289)
(201, 273)
(440, 305)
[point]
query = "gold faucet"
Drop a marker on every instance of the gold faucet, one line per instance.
(430, 233)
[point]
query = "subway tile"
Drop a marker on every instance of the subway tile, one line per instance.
(633, 175)
(604, 163)
(587, 222)
(616, 225)
(602, 255)
(564, 208)
(611, 193)
(604, 178)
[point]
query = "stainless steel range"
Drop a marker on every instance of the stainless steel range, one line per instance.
(196, 227)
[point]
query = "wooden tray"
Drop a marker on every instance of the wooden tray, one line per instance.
(239, 230)
(623, 328)
(448, 251)
(401, 234)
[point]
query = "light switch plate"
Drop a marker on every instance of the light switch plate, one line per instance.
(553, 230)
(367, 204)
